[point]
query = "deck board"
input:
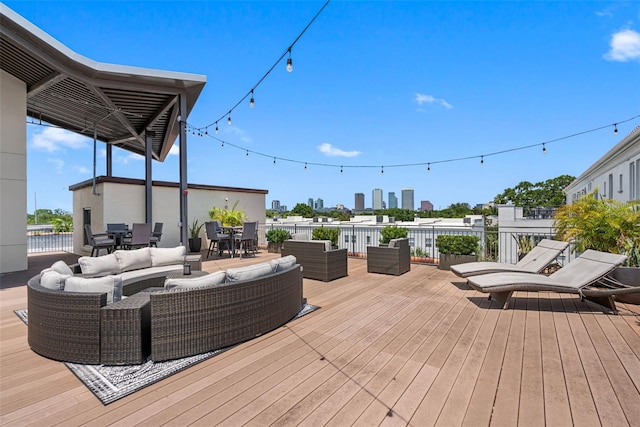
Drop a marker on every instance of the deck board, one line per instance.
(418, 349)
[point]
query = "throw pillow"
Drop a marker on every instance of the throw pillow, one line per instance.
(111, 285)
(99, 266)
(249, 272)
(51, 279)
(167, 256)
(284, 263)
(133, 260)
(62, 268)
(208, 281)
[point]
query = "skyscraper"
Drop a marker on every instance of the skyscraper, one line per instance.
(275, 205)
(310, 202)
(359, 202)
(377, 198)
(319, 204)
(426, 206)
(393, 200)
(407, 199)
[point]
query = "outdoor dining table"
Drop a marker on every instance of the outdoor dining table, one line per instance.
(232, 230)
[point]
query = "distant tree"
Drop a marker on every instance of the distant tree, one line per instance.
(544, 193)
(398, 214)
(456, 210)
(269, 213)
(305, 211)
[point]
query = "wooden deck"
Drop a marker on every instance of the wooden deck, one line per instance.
(419, 349)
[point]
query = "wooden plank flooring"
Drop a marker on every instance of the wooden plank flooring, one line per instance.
(420, 349)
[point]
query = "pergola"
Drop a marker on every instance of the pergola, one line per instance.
(139, 110)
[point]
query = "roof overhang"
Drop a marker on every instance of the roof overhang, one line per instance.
(73, 92)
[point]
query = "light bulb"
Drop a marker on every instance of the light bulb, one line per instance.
(544, 149)
(216, 127)
(252, 102)
(428, 167)
(615, 129)
(482, 160)
(289, 65)
(229, 120)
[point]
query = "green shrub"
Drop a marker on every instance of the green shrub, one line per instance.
(277, 235)
(457, 245)
(326, 233)
(393, 232)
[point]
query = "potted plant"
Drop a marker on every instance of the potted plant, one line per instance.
(393, 232)
(456, 249)
(326, 233)
(275, 237)
(228, 217)
(607, 226)
(195, 242)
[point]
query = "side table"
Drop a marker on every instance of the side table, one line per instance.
(125, 331)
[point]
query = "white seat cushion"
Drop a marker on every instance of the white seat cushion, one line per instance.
(111, 285)
(283, 263)
(208, 281)
(51, 279)
(133, 260)
(99, 266)
(62, 268)
(249, 272)
(167, 256)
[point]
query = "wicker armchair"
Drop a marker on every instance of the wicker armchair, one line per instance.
(394, 259)
(317, 262)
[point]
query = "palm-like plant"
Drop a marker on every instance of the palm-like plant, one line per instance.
(603, 225)
(228, 217)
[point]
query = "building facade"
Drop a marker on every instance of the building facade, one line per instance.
(377, 198)
(426, 206)
(616, 175)
(359, 202)
(393, 200)
(407, 199)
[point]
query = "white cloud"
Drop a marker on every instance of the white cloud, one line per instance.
(174, 150)
(332, 151)
(422, 99)
(53, 139)
(236, 131)
(58, 164)
(83, 170)
(625, 46)
(131, 157)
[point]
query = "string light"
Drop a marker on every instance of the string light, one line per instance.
(289, 62)
(274, 161)
(428, 164)
(305, 166)
(615, 128)
(544, 149)
(216, 127)
(289, 67)
(229, 119)
(247, 153)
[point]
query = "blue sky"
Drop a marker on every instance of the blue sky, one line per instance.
(374, 84)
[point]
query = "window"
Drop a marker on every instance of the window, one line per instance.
(611, 186)
(346, 238)
(368, 240)
(428, 242)
(86, 220)
(604, 189)
(632, 180)
(620, 185)
(589, 187)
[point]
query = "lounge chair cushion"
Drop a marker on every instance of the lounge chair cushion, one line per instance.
(133, 260)
(208, 281)
(111, 285)
(51, 279)
(99, 266)
(249, 272)
(62, 268)
(167, 256)
(283, 263)
(393, 243)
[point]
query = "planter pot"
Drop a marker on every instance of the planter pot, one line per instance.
(195, 245)
(274, 247)
(629, 276)
(447, 260)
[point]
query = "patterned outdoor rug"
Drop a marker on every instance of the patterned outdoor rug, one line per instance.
(110, 383)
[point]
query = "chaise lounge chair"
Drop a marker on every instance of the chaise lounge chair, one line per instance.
(577, 277)
(535, 261)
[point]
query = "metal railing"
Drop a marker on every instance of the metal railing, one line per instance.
(49, 241)
(494, 245)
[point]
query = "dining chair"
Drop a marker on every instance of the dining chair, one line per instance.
(247, 237)
(140, 236)
(156, 235)
(99, 241)
(118, 230)
(216, 238)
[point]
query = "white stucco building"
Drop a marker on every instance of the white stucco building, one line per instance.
(616, 175)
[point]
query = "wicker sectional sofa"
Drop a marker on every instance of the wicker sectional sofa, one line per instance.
(95, 326)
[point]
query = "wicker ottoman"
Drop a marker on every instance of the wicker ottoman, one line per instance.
(125, 335)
